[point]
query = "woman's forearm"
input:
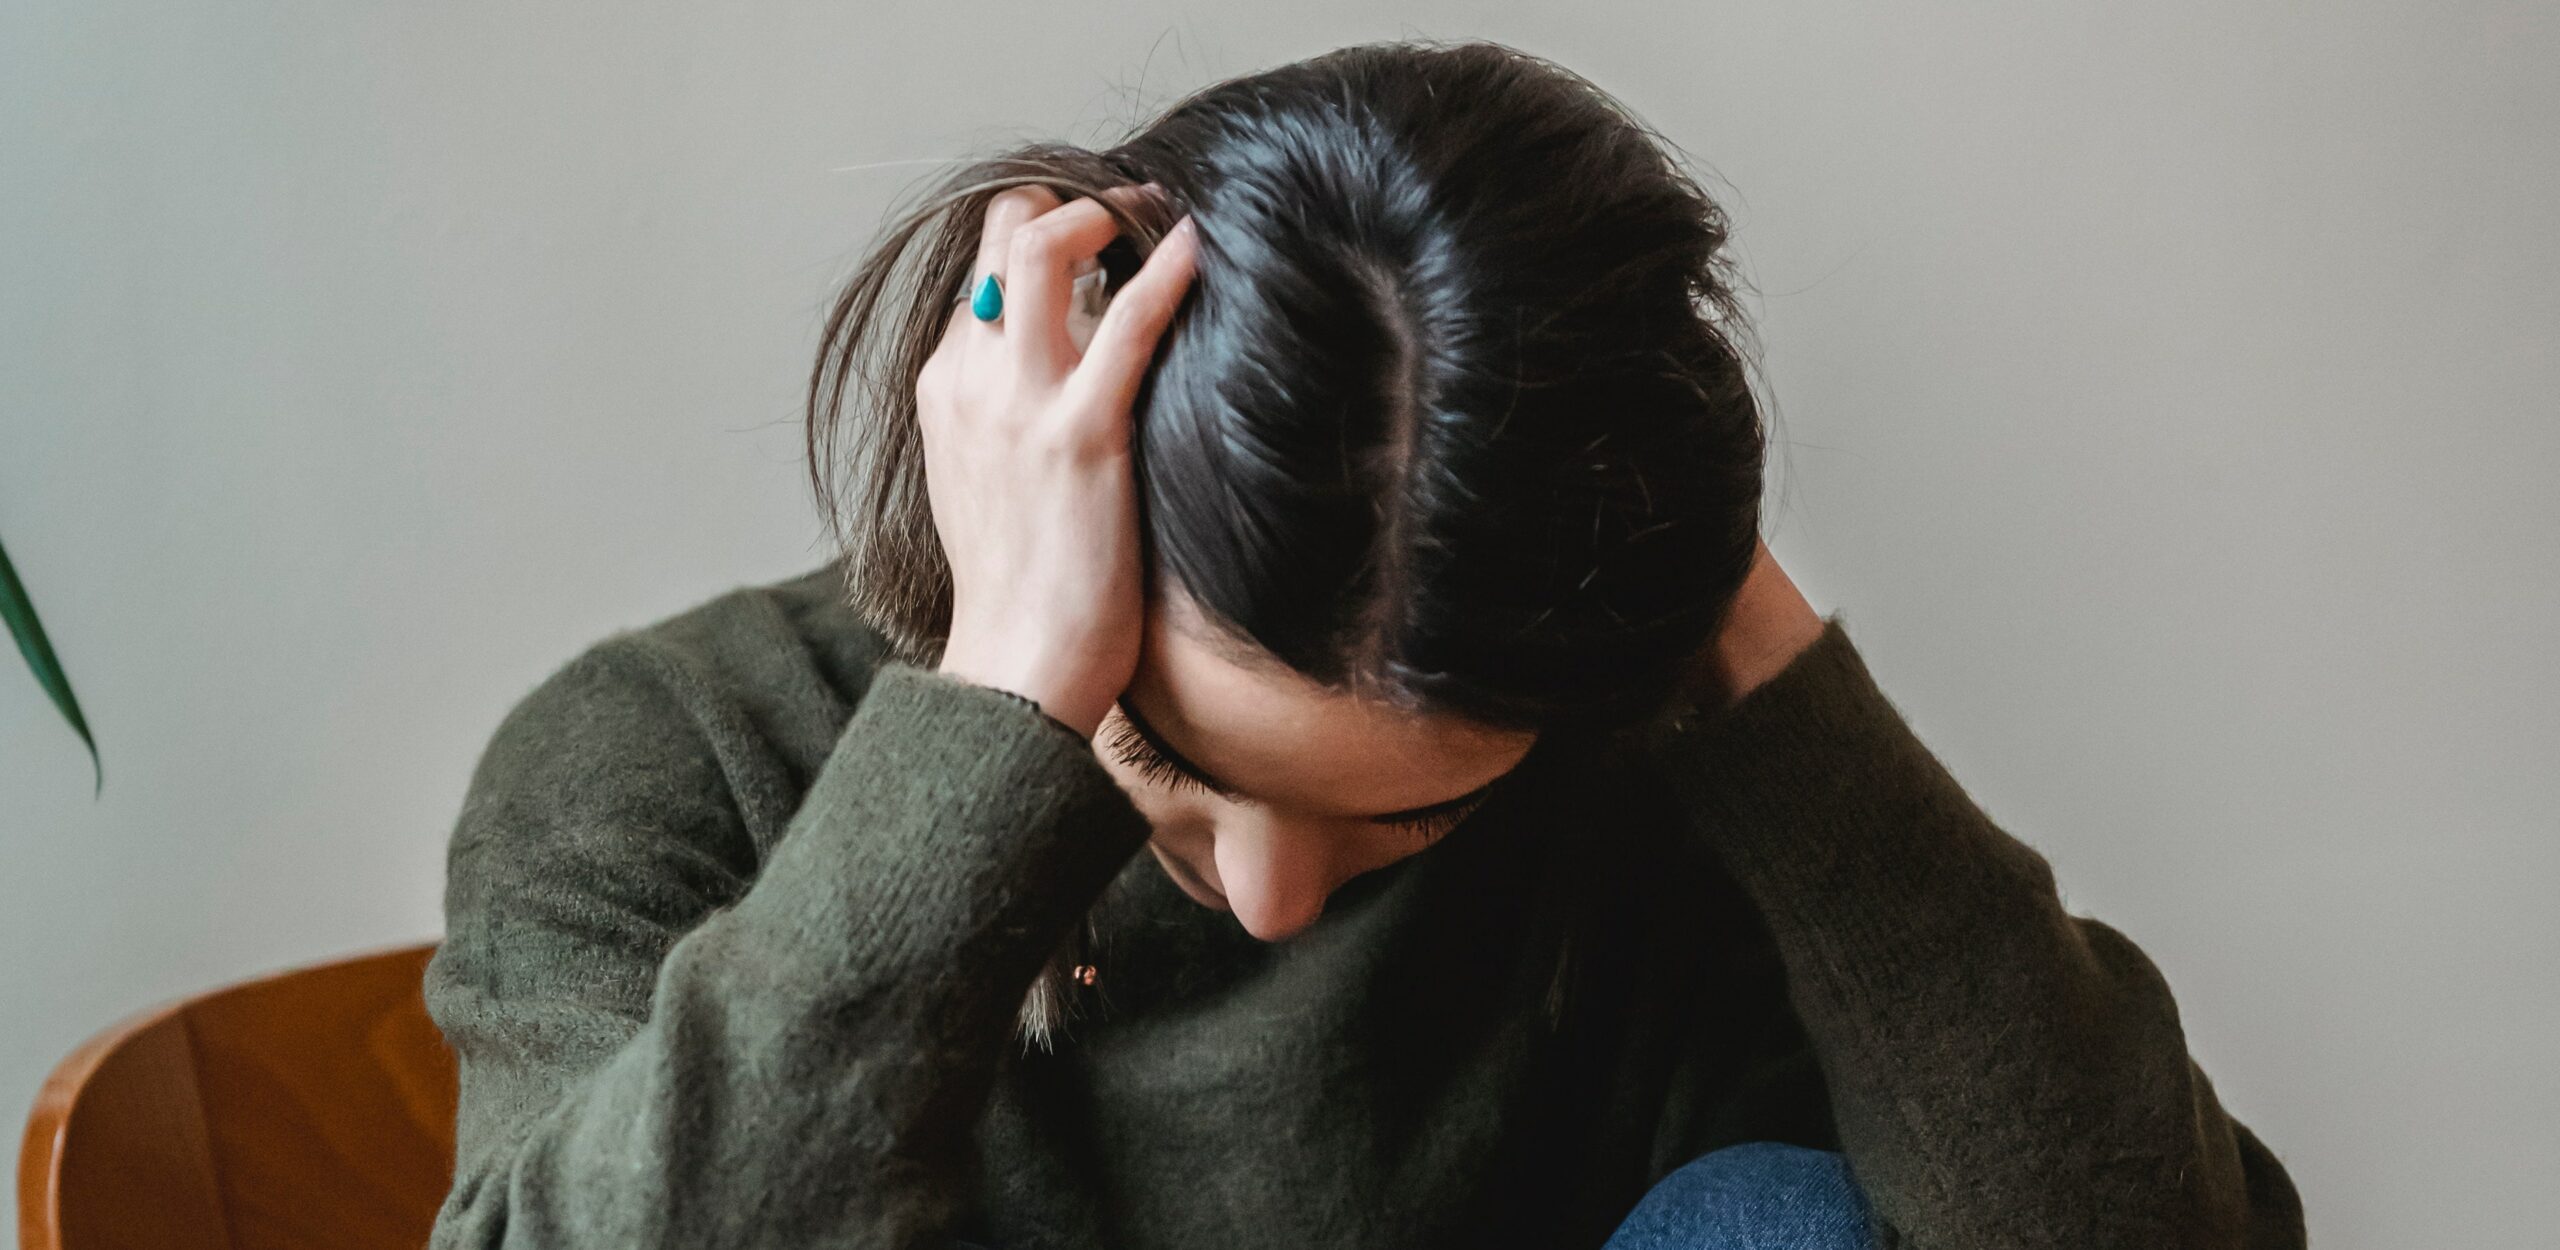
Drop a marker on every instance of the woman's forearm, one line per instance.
(2002, 1073)
(664, 1046)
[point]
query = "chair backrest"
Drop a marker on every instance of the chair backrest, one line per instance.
(309, 1108)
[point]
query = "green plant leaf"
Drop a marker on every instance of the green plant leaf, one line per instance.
(20, 612)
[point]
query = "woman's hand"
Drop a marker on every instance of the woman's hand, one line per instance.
(1769, 626)
(1026, 451)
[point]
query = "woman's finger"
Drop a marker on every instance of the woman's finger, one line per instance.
(1125, 342)
(1041, 259)
(1006, 212)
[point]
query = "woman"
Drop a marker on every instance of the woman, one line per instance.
(1526, 862)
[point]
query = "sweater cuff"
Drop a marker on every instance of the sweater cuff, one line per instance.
(1826, 806)
(954, 827)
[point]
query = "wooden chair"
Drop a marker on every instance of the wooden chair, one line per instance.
(310, 1108)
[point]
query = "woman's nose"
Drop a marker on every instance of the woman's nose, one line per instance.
(1276, 878)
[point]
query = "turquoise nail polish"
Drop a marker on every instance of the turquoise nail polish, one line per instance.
(990, 302)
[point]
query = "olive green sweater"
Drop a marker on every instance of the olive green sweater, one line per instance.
(740, 913)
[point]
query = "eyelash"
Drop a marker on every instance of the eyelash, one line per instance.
(1135, 751)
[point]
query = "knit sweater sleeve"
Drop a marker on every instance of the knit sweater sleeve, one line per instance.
(2002, 1073)
(664, 1043)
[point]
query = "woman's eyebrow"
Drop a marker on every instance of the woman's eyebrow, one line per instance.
(1196, 773)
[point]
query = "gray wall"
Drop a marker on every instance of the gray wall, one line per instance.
(2165, 392)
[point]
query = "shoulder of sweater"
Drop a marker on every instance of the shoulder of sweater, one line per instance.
(761, 669)
(725, 708)
(772, 636)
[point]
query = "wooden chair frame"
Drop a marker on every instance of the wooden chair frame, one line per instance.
(313, 1107)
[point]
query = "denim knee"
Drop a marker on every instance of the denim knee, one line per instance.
(1758, 1195)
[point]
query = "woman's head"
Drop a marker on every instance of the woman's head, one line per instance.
(1453, 424)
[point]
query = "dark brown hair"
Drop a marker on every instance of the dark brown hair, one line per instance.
(1456, 413)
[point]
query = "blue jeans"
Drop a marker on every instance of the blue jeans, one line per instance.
(1758, 1195)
